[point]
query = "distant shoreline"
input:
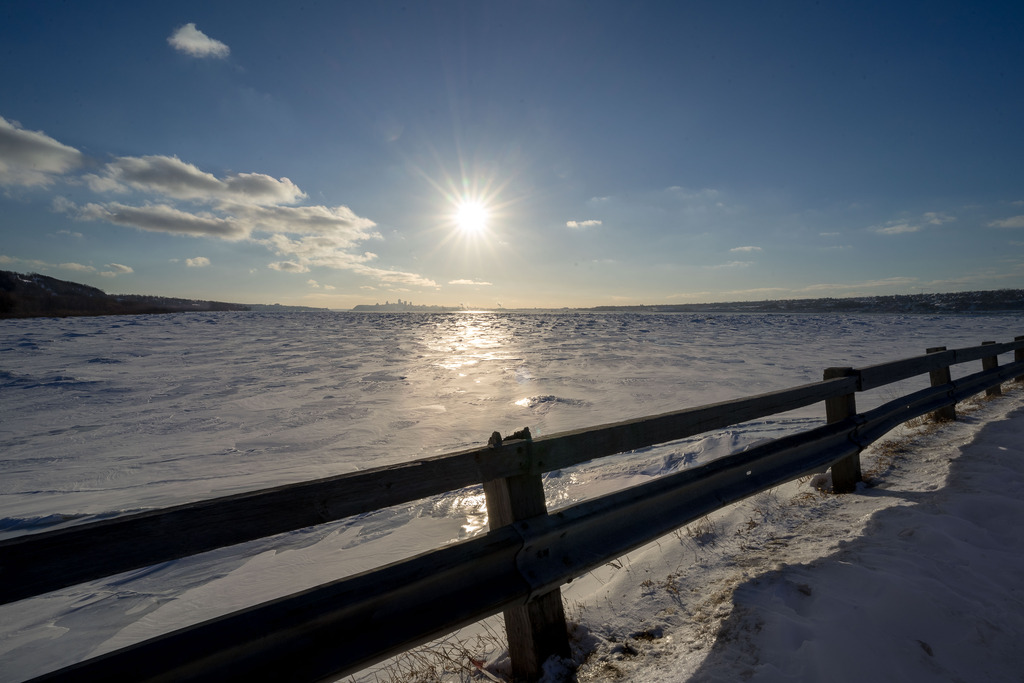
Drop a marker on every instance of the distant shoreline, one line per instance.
(33, 296)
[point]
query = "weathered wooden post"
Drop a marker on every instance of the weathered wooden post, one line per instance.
(845, 473)
(939, 377)
(537, 630)
(991, 363)
(1018, 356)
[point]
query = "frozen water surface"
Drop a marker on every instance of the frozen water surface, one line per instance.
(101, 416)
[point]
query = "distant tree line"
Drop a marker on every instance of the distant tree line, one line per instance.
(954, 302)
(34, 295)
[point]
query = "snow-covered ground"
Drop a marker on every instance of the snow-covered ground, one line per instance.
(917, 577)
(108, 415)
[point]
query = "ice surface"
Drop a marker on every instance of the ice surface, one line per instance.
(101, 416)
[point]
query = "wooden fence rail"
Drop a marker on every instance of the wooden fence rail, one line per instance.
(517, 567)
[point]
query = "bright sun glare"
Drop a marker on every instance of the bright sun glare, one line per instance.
(471, 217)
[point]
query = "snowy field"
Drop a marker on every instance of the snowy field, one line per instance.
(102, 416)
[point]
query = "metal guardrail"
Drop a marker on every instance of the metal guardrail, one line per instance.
(343, 626)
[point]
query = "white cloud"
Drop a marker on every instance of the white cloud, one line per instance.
(288, 266)
(32, 158)
(116, 269)
(933, 218)
(321, 252)
(732, 264)
(316, 285)
(745, 249)
(902, 226)
(197, 262)
(164, 218)
(339, 222)
(582, 224)
(1011, 222)
(327, 250)
(705, 194)
(896, 282)
(469, 282)
(396, 277)
(172, 177)
(192, 41)
(897, 228)
(318, 250)
(77, 267)
(240, 205)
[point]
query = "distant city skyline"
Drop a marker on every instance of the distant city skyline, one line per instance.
(516, 155)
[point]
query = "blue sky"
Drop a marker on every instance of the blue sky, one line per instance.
(319, 153)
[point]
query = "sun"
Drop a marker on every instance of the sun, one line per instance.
(471, 217)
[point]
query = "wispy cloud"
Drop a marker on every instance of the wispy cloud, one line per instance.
(731, 264)
(582, 224)
(32, 158)
(477, 283)
(397, 277)
(163, 218)
(113, 269)
(704, 194)
(745, 249)
(193, 42)
(897, 228)
(339, 223)
(1011, 222)
(316, 285)
(172, 177)
(79, 267)
(897, 282)
(288, 267)
(197, 262)
(935, 218)
(902, 226)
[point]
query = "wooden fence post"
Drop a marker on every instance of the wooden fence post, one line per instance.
(537, 630)
(1018, 356)
(991, 363)
(845, 473)
(939, 377)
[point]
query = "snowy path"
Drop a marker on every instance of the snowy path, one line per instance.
(918, 577)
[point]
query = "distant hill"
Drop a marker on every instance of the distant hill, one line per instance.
(34, 295)
(988, 301)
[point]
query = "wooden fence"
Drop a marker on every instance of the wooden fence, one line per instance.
(517, 567)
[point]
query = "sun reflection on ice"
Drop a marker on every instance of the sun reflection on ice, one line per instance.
(472, 339)
(474, 507)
